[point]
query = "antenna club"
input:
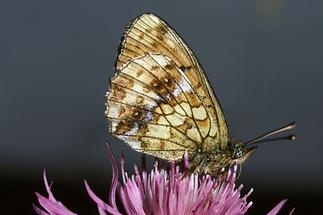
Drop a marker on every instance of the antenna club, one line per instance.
(292, 137)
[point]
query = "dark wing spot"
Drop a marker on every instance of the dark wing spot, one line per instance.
(143, 145)
(156, 84)
(124, 81)
(142, 127)
(169, 82)
(139, 72)
(161, 29)
(122, 110)
(154, 67)
(169, 67)
(148, 30)
(162, 145)
(202, 97)
(160, 88)
(124, 126)
(185, 68)
(139, 100)
(118, 93)
(137, 114)
(153, 44)
(146, 89)
(160, 37)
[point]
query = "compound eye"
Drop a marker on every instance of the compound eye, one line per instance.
(239, 154)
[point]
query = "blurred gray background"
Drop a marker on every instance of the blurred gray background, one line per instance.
(263, 57)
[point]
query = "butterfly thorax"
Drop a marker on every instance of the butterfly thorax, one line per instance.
(210, 161)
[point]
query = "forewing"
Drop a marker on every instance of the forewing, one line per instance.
(148, 33)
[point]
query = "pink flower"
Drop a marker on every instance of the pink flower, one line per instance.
(163, 192)
(50, 204)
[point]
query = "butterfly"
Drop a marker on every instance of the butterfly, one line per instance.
(161, 103)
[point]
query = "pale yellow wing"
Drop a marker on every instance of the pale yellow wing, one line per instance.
(160, 101)
(154, 109)
(149, 33)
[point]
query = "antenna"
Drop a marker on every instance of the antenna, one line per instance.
(276, 131)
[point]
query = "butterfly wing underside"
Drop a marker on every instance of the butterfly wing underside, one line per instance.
(160, 101)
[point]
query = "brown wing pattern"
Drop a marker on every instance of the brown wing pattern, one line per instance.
(148, 33)
(160, 101)
(154, 109)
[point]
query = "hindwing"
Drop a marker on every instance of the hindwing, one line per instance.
(160, 101)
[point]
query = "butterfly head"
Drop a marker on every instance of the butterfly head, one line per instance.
(240, 152)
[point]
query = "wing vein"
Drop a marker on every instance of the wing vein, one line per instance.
(163, 113)
(197, 64)
(196, 143)
(152, 137)
(190, 54)
(182, 107)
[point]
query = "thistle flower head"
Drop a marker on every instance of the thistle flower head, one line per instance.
(162, 192)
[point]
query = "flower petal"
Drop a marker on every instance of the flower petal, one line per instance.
(101, 204)
(115, 174)
(277, 208)
(163, 192)
(39, 211)
(53, 207)
(50, 204)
